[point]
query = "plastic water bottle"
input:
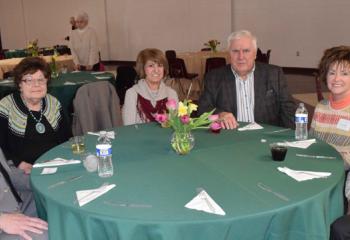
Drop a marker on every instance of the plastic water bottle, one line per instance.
(104, 154)
(301, 120)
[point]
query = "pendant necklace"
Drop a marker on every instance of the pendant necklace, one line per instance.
(39, 127)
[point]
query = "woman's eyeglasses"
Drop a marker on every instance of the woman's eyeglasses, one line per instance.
(32, 82)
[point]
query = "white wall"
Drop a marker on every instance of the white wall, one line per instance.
(289, 26)
(124, 26)
(127, 26)
(183, 25)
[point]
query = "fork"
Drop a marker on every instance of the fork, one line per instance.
(70, 179)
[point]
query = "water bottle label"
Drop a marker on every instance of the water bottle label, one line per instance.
(301, 118)
(103, 150)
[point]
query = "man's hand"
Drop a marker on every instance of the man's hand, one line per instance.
(228, 121)
(18, 224)
(26, 167)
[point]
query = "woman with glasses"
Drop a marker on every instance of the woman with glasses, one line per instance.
(31, 121)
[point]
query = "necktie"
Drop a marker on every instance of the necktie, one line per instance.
(9, 183)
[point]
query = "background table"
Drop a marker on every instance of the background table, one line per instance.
(7, 65)
(65, 86)
(195, 61)
(229, 166)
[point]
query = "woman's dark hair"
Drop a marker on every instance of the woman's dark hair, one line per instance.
(30, 65)
(338, 55)
(150, 54)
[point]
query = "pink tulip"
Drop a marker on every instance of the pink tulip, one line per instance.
(213, 117)
(215, 127)
(171, 104)
(185, 119)
(161, 118)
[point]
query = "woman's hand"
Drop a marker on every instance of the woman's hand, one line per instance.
(26, 167)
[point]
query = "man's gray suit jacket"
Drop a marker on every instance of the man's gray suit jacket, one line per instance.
(273, 103)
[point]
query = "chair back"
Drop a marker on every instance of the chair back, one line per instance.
(205, 49)
(170, 54)
(215, 62)
(318, 86)
(96, 107)
(263, 57)
(176, 68)
(126, 76)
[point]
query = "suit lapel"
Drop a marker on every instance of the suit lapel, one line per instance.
(231, 78)
(259, 89)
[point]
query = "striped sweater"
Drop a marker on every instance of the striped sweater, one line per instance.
(325, 122)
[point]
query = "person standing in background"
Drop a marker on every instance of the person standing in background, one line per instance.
(84, 45)
(73, 26)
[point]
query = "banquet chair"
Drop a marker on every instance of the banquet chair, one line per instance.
(126, 77)
(263, 57)
(177, 69)
(170, 54)
(214, 62)
(96, 107)
(318, 86)
(205, 49)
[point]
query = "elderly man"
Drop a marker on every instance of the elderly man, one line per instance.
(17, 208)
(245, 90)
(84, 45)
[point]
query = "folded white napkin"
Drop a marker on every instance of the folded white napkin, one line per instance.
(250, 126)
(97, 73)
(86, 196)
(203, 202)
(102, 77)
(5, 81)
(301, 144)
(56, 162)
(303, 175)
(110, 134)
(69, 83)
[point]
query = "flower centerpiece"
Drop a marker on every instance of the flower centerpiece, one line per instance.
(53, 65)
(212, 44)
(33, 48)
(179, 118)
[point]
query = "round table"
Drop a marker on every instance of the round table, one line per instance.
(153, 184)
(64, 87)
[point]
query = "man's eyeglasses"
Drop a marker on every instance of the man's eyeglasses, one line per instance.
(32, 82)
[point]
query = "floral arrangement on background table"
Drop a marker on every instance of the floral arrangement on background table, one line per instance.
(53, 64)
(33, 48)
(179, 118)
(212, 44)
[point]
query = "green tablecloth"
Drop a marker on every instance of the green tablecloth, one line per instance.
(230, 166)
(64, 87)
(18, 53)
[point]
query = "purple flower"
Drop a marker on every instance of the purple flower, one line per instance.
(213, 117)
(185, 119)
(171, 104)
(161, 118)
(215, 127)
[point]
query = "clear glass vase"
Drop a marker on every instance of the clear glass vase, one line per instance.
(182, 142)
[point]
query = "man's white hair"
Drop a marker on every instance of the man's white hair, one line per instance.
(239, 34)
